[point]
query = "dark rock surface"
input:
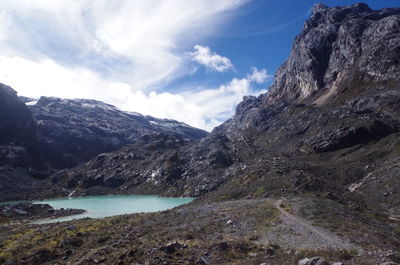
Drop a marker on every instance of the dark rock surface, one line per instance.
(18, 144)
(72, 131)
(17, 184)
(152, 164)
(20, 163)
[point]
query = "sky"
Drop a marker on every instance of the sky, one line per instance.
(192, 61)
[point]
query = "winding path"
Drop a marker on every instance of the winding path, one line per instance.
(317, 236)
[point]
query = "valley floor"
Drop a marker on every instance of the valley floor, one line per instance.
(247, 231)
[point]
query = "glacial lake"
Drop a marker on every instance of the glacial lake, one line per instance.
(110, 205)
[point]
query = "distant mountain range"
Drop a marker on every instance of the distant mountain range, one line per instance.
(49, 134)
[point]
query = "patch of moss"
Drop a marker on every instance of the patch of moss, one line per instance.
(260, 190)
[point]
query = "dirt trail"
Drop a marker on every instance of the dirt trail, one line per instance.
(300, 232)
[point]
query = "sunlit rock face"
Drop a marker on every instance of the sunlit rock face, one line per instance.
(336, 42)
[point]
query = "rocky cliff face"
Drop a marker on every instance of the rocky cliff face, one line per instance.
(71, 131)
(336, 44)
(329, 124)
(17, 130)
(19, 155)
(331, 119)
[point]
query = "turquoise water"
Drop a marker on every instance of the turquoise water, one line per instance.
(104, 206)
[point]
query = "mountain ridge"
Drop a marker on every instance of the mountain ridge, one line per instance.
(83, 128)
(52, 134)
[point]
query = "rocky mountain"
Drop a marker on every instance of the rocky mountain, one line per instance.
(329, 123)
(71, 131)
(338, 44)
(41, 136)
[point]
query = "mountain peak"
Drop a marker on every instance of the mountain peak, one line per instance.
(318, 7)
(357, 7)
(336, 42)
(337, 13)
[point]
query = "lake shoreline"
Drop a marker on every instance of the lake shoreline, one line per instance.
(28, 212)
(96, 206)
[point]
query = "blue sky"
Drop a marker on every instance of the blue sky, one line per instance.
(187, 60)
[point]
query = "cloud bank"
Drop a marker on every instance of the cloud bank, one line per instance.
(121, 52)
(205, 108)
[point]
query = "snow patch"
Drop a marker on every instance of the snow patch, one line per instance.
(155, 123)
(31, 103)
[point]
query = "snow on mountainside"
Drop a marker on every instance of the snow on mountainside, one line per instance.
(71, 131)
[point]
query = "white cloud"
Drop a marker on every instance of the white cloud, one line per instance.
(258, 76)
(120, 52)
(144, 37)
(46, 77)
(204, 109)
(203, 55)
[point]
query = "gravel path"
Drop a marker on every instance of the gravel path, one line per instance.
(294, 231)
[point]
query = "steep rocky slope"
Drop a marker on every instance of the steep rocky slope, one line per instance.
(71, 131)
(17, 130)
(329, 123)
(19, 155)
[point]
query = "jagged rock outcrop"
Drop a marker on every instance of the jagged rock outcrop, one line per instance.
(331, 118)
(157, 163)
(71, 131)
(336, 44)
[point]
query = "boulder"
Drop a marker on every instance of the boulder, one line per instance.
(313, 261)
(72, 241)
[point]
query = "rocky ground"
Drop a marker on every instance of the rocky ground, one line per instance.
(247, 231)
